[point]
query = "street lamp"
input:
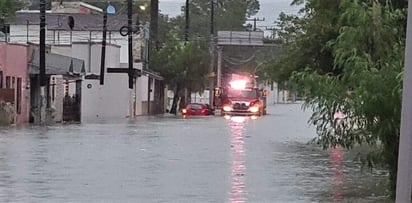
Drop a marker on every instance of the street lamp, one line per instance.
(142, 7)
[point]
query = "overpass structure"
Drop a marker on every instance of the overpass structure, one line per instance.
(240, 51)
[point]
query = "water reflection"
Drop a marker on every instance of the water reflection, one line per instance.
(336, 160)
(238, 168)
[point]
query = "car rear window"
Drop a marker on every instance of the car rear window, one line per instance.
(195, 106)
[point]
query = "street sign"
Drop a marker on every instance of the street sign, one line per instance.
(110, 9)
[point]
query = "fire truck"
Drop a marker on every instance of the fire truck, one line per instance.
(240, 95)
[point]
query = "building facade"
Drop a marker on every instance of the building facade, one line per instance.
(14, 86)
(83, 41)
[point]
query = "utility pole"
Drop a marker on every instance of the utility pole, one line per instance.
(219, 67)
(103, 57)
(254, 22)
(154, 15)
(153, 43)
(212, 53)
(187, 21)
(130, 41)
(42, 63)
(404, 176)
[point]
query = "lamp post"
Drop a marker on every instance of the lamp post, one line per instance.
(404, 177)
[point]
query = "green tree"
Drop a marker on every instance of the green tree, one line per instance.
(9, 7)
(229, 15)
(183, 65)
(348, 56)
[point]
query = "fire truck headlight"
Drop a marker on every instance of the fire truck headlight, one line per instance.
(227, 108)
(254, 109)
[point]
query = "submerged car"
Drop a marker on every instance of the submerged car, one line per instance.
(197, 109)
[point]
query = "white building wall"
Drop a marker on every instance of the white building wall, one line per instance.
(144, 88)
(19, 34)
(200, 97)
(57, 102)
(108, 101)
(139, 95)
(62, 50)
(272, 97)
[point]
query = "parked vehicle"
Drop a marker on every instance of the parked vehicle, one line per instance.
(197, 109)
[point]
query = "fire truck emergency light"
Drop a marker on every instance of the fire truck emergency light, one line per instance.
(238, 84)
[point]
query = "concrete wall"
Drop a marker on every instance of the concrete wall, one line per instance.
(74, 7)
(202, 97)
(108, 101)
(28, 33)
(57, 86)
(13, 63)
(138, 98)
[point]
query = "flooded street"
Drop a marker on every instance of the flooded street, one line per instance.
(208, 159)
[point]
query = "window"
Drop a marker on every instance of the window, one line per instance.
(18, 103)
(8, 82)
(13, 82)
(53, 91)
(195, 106)
(1, 79)
(246, 93)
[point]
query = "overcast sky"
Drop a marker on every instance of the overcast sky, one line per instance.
(269, 10)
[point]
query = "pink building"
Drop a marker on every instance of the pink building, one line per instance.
(14, 78)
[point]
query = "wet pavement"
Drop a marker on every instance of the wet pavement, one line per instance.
(168, 159)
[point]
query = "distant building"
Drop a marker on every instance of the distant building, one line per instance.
(63, 86)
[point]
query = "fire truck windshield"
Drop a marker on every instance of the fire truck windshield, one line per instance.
(244, 93)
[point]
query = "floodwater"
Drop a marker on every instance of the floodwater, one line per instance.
(169, 159)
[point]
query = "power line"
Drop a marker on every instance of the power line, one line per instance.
(254, 22)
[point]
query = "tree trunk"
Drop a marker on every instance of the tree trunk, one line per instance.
(189, 96)
(182, 103)
(176, 97)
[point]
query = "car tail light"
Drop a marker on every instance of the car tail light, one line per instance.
(203, 111)
(184, 111)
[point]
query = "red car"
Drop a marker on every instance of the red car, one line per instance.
(196, 109)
